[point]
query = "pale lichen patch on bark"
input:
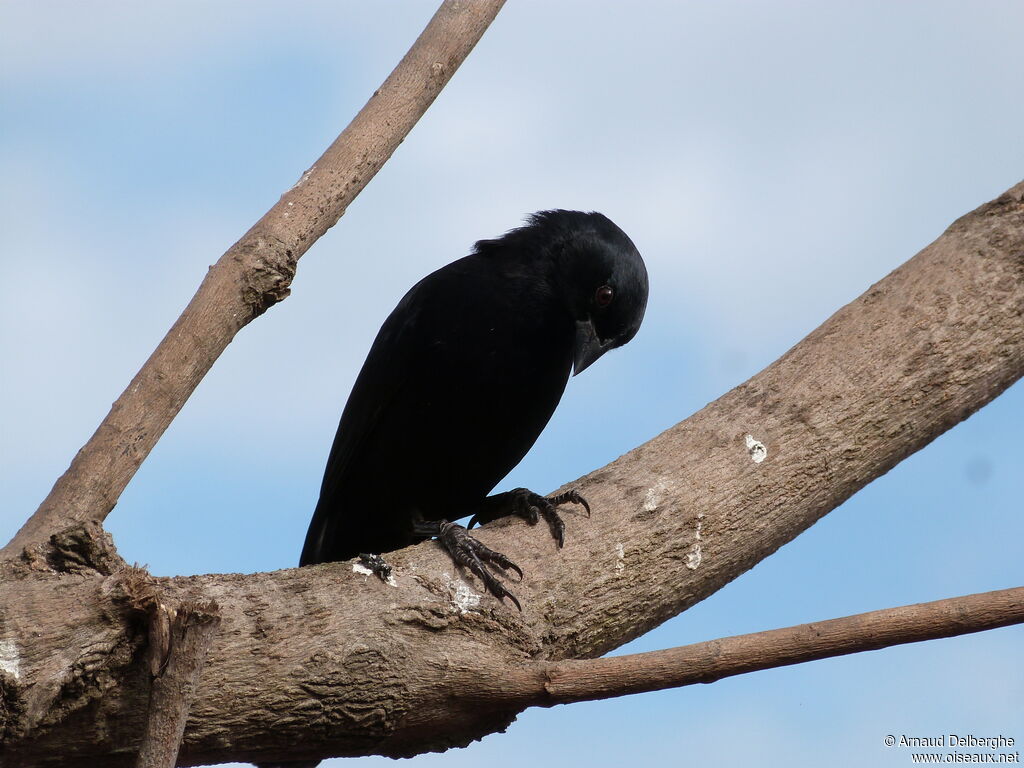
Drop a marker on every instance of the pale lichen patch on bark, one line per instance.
(302, 179)
(756, 449)
(654, 496)
(693, 559)
(10, 658)
(463, 597)
(650, 501)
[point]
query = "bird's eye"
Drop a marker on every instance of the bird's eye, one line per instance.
(604, 296)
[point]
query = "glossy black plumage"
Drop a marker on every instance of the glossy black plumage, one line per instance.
(465, 373)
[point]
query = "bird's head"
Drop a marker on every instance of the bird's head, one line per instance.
(603, 278)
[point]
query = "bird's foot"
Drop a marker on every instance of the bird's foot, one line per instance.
(531, 507)
(474, 555)
(376, 564)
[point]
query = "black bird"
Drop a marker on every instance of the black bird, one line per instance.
(459, 383)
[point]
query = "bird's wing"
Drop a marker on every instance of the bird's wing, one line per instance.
(461, 379)
(396, 360)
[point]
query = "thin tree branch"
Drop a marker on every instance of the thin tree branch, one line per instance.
(256, 273)
(176, 666)
(706, 662)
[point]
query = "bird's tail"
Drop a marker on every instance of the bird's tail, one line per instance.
(320, 538)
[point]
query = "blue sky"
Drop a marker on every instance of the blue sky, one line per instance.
(770, 161)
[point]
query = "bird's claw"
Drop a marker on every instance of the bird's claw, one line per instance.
(532, 506)
(571, 496)
(474, 555)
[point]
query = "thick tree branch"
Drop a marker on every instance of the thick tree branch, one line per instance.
(324, 661)
(570, 681)
(256, 273)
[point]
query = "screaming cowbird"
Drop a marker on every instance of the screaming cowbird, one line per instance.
(459, 383)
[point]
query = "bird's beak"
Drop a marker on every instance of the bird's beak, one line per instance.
(588, 346)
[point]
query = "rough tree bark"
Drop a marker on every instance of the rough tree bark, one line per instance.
(325, 661)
